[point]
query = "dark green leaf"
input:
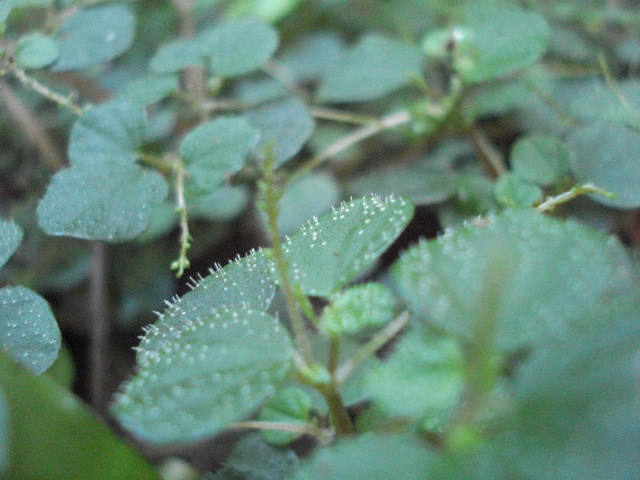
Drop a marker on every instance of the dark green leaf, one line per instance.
(332, 250)
(150, 89)
(239, 47)
(5, 434)
(213, 368)
(36, 51)
(375, 67)
(513, 192)
(285, 125)
(10, 238)
(313, 56)
(289, 406)
(28, 330)
(534, 277)
(541, 159)
(607, 155)
(54, 436)
(215, 150)
(177, 55)
(94, 35)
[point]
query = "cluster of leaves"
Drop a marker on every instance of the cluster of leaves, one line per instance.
(505, 348)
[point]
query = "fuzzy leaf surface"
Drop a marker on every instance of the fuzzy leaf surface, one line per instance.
(105, 194)
(239, 47)
(218, 367)
(332, 250)
(375, 67)
(215, 150)
(286, 125)
(10, 238)
(28, 329)
(94, 35)
(537, 278)
(54, 436)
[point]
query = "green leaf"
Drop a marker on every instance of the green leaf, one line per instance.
(541, 159)
(216, 368)
(105, 195)
(285, 125)
(513, 192)
(375, 67)
(54, 436)
(369, 457)
(10, 238)
(269, 10)
(94, 35)
(534, 277)
(313, 56)
(334, 249)
(252, 458)
(177, 55)
(215, 150)
(150, 89)
(239, 47)
(246, 281)
(289, 406)
(607, 155)
(5, 434)
(499, 43)
(423, 378)
(28, 329)
(225, 204)
(36, 51)
(357, 308)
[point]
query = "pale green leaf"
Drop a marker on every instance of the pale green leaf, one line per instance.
(533, 277)
(216, 150)
(149, 89)
(357, 308)
(334, 249)
(289, 406)
(94, 35)
(225, 204)
(28, 330)
(513, 192)
(54, 436)
(269, 10)
(217, 368)
(607, 155)
(36, 51)
(10, 238)
(177, 55)
(541, 159)
(313, 56)
(239, 46)
(286, 125)
(375, 67)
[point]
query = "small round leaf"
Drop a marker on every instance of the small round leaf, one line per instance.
(36, 51)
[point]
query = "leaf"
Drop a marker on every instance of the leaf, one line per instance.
(215, 150)
(105, 195)
(289, 406)
(357, 308)
(177, 55)
(368, 457)
(313, 56)
(28, 329)
(375, 67)
(499, 43)
(423, 378)
(239, 47)
(513, 192)
(217, 368)
(534, 277)
(10, 238)
(36, 51)
(246, 281)
(332, 250)
(269, 10)
(5, 437)
(607, 155)
(54, 436)
(541, 159)
(82, 45)
(285, 125)
(225, 204)
(149, 90)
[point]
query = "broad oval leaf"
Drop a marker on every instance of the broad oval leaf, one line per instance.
(375, 67)
(28, 330)
(534, 277)
(36, 51)
(177, 55)
(607, 155)
(239, 47)
(289, 406)
(514, 192)
(218, 368)
(217, 149)
(10, 238)
(332, 250)
(542, 159)
(286, 125)
(94, 35)
(149, 89)
(245, 281)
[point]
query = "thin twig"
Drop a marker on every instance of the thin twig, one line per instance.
(324, 436)
(182, 263)
(100, 327)
(487, 152)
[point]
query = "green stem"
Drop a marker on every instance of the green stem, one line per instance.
(182, 263)
(341, 419)
(550, 203)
